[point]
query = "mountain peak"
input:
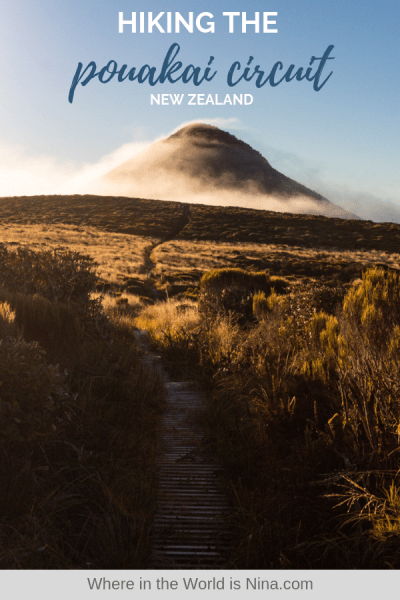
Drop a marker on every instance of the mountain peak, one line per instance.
(202, 163)
(201, 132)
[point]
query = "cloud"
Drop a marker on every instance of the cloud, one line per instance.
(363, 203)
(24, 174)
(21, 174)
(86, 175)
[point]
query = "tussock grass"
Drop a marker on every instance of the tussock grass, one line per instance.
(78, 438)
(122, 301)
(304, 413)
(220, 278)
(7, 320)
(55, 325)
(171, 326)
(169, 322)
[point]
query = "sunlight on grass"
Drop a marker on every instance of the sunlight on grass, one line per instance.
(118, 255)
(169, 322)
(188, 260)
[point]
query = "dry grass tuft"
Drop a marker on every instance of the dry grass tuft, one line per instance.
(169, 322)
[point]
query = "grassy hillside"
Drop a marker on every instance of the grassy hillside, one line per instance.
(119, 234)
(266, 227)
(152, 218)
(164, 219)
(120, 257)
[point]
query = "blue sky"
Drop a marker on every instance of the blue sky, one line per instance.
(342, 141)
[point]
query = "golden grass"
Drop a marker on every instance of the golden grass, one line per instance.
(118, 255)
(119, 234)
(123, 301)
(121, 311)
(193, 258)
(164, 219)
(169, 322)
(304, 417)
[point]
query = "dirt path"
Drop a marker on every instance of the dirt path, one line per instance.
(191, 523)
(181, 223)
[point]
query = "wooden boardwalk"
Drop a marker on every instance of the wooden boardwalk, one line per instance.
(191, 523)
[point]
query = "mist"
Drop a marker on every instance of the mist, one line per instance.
(185, 189)
(25, 175)
(22, 174)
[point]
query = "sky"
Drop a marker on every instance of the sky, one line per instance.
(341, 141)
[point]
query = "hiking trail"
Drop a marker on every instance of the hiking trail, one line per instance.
(191, 522)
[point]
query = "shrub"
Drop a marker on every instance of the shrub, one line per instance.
(77, 443)
(58, 275)
(53, 325)
(231, 291)
(33, 393)
(218, 279)
(356, 354)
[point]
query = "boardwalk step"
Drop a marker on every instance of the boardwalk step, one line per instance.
(190, 527)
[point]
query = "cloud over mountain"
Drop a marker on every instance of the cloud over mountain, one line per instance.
(202, 163)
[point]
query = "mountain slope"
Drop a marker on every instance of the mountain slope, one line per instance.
(201, 163)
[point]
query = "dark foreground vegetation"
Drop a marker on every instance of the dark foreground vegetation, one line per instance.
(78, 422)
(290, 322)
(303, 387)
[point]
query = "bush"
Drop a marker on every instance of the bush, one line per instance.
(77, 485)
(218, 279)
(33, 393)
(58, 275)
(53, 325)
(356, 355)
(230, 291)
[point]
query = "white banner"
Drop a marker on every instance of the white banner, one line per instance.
(324, 584)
